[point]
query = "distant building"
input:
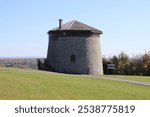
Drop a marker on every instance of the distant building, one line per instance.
(74, 48)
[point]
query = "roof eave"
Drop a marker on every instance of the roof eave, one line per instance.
(96, 31)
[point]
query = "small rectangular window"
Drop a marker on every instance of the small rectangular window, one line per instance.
(72, 58)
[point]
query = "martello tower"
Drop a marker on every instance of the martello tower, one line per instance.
(74, 48)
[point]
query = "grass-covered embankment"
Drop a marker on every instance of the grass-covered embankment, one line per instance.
(33, 84)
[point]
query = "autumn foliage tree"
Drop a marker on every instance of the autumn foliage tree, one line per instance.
(136, 65)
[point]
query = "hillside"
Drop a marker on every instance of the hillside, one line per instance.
(19, 62)
(34, 84)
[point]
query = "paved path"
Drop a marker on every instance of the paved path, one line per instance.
(124, 80)
(120, 79)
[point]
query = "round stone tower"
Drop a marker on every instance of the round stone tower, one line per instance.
(74, 48)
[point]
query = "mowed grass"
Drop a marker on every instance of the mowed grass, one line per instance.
(136, 78)
(36, 85)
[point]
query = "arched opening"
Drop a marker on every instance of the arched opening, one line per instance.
(72, 58)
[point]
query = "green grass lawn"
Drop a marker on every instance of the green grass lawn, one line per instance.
(34, 84)
(136, 78)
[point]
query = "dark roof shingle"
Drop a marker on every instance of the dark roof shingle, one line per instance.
(76, 26)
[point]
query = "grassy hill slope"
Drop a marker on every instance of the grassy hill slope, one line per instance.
(34, 84)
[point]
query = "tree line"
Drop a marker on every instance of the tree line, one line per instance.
(136, 65)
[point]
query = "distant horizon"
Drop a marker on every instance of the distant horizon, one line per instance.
(107, 56)
(18, 57)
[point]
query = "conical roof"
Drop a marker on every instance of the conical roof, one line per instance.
(76, 26)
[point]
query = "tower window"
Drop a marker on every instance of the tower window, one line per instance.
(72, 58)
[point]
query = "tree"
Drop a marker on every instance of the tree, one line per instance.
(122, 62)
(137, 65)
(146, 63)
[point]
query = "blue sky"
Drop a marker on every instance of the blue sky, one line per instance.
(24, 24)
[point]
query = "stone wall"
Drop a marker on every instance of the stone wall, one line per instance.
(87, 53)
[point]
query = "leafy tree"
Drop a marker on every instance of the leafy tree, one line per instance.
(123, 61)
(137, 65)
(146, 63)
